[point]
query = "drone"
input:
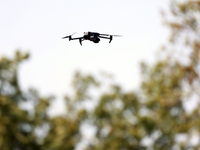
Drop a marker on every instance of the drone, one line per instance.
(91, 36)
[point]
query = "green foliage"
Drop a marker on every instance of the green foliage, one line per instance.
(16, 129)
(63, 134)
(18, 126)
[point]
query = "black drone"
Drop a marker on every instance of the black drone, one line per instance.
(92, 36)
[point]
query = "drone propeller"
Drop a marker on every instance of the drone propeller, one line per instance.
(69, 36)
(110, 35)
(117, 35)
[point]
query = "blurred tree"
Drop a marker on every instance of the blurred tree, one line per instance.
(18, 126)
(157, 117)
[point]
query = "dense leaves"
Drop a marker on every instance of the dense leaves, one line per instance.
(16, 127)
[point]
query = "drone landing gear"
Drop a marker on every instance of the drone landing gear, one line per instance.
(80, 41)
(111, 37)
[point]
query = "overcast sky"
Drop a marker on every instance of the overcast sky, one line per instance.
(37, 27)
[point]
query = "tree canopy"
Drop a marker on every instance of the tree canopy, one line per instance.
(156, 116)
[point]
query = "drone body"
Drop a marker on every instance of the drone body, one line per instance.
(91, 36)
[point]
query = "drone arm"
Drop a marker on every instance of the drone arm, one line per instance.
(104, 37)
(111, 37)
(77, 38)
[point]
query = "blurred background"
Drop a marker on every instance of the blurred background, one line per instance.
(37, 27)
(100, 95)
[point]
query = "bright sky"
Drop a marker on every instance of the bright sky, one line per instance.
(37, 27)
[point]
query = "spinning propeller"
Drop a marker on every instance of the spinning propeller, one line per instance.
(69, 36)
(110, 36)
